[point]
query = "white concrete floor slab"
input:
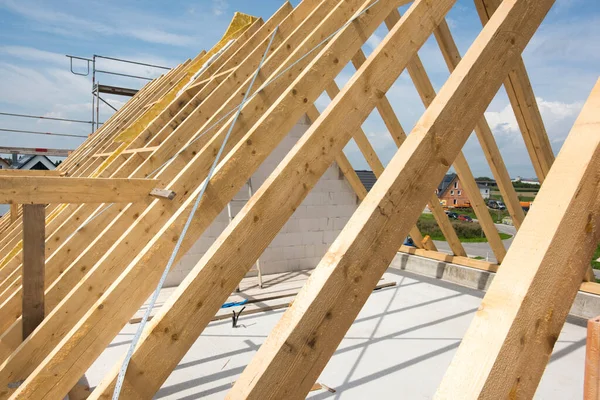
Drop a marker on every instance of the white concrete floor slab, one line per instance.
(400, 345)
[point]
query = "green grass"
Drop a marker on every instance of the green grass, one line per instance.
(596, 264)
(526, 198)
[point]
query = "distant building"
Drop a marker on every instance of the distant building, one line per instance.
(35, 162)
(32, 162)
(451, 193)
(484, 190)
(367, 178)
(485, 182)
(529, 181)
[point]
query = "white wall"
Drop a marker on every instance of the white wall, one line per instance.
(306, 236)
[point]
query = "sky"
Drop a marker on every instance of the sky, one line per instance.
(563, 61)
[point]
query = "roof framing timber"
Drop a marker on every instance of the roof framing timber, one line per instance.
(103, 262)
(52, 189)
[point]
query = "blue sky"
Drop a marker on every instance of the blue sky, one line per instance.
(563, 61)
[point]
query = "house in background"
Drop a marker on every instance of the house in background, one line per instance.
(451, 193)
(367, 178)
(484, 190)
(35, 162)
(32, 162)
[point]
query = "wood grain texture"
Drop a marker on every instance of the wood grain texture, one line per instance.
(510, 340)
(46, 190)
(300, 345)
(33, 267)
(197, 299)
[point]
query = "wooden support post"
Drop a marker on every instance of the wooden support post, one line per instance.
(591, 381)
(33, 266)
(511, 338)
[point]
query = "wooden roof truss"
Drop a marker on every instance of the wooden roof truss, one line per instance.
(104, 260)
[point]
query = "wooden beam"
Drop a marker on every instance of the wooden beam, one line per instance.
(31, 172)
(511, 338)
(459, 260)
(269, 209)
(33, 266)
(46, 190)
(484, 133)
(14, 212)
(297, 350)
(522, 99)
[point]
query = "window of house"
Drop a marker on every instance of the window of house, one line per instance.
(456, 185)
(459, 192)
(455, 201)
(452, 193)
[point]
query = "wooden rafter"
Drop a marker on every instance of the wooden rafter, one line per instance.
(264, 213)
(512, 335)
(103, 262)
(294, 354)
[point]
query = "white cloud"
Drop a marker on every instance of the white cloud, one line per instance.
(558, 117)
(55, 22)
(219, 7)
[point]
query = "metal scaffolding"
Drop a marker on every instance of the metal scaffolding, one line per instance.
(97, 88)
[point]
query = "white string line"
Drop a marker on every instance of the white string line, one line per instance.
(140, 329)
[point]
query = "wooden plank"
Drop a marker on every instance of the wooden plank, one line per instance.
(33, 266)
(511, 337)
(53, 217)
(427, 93)
(31, 172)
(591, 381)
(459, 260)
(590, 287)
(271, 208)
(46, 190)
(524, 104)
(293, 356)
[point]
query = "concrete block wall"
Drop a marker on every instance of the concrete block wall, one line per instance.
(306, 236)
